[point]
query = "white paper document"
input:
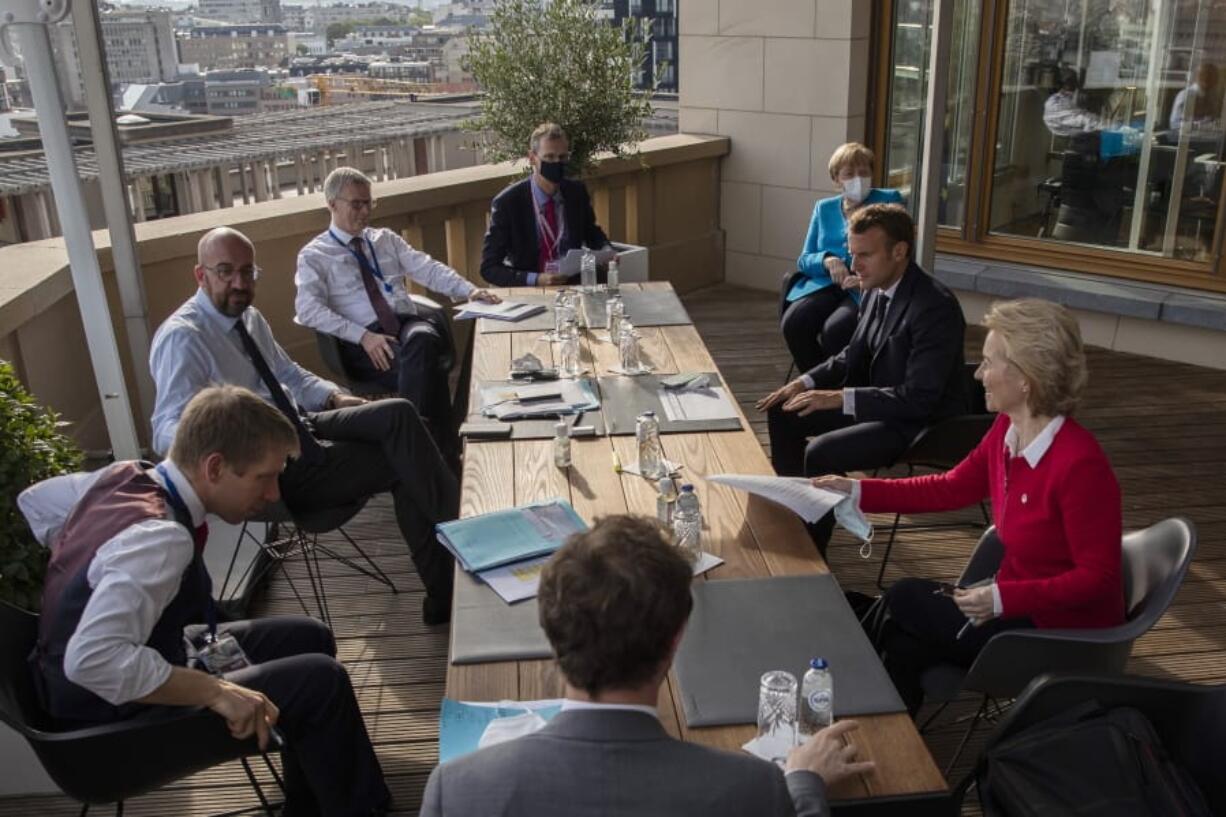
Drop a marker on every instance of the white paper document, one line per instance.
(705, 562)
(697, 404)
(511, 401)
(505, 311)
(796, 494)
(516, 582)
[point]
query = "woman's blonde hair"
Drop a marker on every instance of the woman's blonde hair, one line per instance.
(1044, 341)
(852, 154)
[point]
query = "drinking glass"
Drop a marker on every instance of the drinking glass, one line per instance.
(777, 712)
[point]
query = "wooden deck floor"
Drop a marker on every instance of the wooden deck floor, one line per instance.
(1163, 424)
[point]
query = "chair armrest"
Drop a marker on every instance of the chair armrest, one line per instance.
(1009, 660)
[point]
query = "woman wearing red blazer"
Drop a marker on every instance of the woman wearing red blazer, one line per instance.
(1055, 504)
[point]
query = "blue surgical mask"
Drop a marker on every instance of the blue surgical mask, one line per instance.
(852, 519)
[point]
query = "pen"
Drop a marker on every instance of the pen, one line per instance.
(965, 627)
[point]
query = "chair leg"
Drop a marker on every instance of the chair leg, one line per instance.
(119, 809)
(84, 809)
(259, 791)
(928, 721)
(885, 558)
(375, 572)
(983, 706)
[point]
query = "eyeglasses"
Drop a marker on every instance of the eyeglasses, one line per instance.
(227, 272)
(359, 204)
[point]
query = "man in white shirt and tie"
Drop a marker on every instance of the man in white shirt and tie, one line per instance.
(350, 448)
(352, 283)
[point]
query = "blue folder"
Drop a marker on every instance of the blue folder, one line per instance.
(502, 537)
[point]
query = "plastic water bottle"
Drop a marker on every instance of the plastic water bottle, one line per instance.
(816, 698)
(614, 277)
(561, 445)
(570, 366)
(587, 272)
(563, 311)
(615, 312)
(651, 453)
(687, 523)
(629, 358)
(664, 500)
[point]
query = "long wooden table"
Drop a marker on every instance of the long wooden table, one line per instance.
(754, 538)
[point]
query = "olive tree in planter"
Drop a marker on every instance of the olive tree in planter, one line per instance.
(558, 61)
(33, 449)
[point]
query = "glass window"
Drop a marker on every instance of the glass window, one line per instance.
(1110, 128)
(908, 93)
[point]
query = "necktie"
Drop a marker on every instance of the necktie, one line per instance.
(876, 327)
(549, 240)
(200, 535)
(388, 321)
(311, 448)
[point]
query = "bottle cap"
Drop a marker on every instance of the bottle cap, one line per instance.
(648, 414)
(687, 487)
(561, 429)
(819, 663)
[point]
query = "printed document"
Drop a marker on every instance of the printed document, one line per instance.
(697, 404)
(796, 494)
(505, 311)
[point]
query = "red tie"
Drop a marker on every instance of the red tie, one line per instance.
(200, 535)
(388, 321)
(549, 238)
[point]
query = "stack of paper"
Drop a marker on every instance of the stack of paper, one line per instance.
(504, 311)
(797, 494)
(549, 399)
(507, 549)
(710, 403)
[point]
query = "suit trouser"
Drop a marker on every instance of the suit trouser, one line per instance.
(415, 375)
(922, 631)
(377, 447)
(818, 325)
(839, 445)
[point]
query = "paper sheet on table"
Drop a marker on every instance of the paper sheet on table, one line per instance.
(516, 582)
(796, 494)
(771, 749)
(705, 562)
(697, 404)
(463, 723)
(505, 311)
(503, 400)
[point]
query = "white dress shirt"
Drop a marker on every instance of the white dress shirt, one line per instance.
(1064, 116)
(198, 346)
(134, 576)
(569, 704)
(331, 296)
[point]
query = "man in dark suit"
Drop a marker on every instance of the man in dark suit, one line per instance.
(902, 369)
(614, 602)
(536, 221)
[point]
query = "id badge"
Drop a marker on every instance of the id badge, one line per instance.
(221, 655)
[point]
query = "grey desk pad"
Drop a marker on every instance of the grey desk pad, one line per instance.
(643, 307)
(744, 627)
(622, 400)
(539, 429)
(485, 628)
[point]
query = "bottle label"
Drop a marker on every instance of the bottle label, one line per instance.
(819, 699)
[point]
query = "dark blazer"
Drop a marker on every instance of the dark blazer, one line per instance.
(917, 374)
(592, 763)
(512, 250)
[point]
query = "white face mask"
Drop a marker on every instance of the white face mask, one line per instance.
(856, 188)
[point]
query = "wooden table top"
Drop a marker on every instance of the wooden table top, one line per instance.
(752, 536)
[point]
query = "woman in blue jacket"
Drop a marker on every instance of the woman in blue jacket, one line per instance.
(822, 297)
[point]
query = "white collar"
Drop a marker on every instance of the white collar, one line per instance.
(571, 704)
(1038, 446)
(184, 486)
(889, 293)
(346, 238)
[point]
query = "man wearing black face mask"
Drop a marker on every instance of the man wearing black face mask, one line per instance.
(536, 221)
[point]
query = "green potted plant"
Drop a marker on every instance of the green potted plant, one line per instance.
(34, 449)
(558, 62)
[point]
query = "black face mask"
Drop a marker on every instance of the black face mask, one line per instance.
(553, 171)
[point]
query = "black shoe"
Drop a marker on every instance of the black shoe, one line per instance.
(434, 611)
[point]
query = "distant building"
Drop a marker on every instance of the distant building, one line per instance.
(405, 71)
(241, 11)
(307, 43)
(660, 68)
(455, 70)
(140, 48)
(294, 18)
(232, 47)
(318, 18)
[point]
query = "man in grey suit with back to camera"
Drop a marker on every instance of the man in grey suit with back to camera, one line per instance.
(614, 602)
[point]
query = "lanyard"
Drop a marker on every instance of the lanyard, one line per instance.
(552, 240)
(364, 263)
(176, 499)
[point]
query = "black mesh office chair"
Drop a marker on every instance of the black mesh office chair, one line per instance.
(114, 762)
(1155, 560)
